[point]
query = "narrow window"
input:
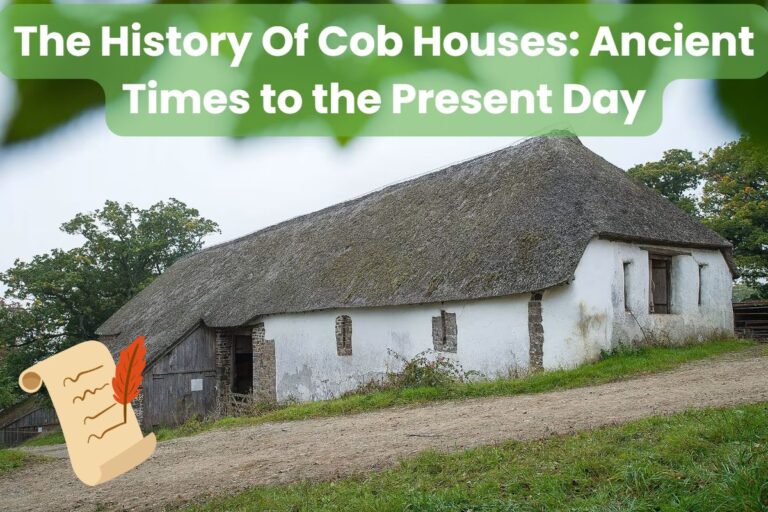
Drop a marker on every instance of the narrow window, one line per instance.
(445, 332)
(627, 288)
(701, 283)
(344, 335)
(660, 268)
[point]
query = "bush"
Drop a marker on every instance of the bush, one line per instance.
(427, 369)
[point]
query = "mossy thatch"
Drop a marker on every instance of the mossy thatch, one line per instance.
(512, 221)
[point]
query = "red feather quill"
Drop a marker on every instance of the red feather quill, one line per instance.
(128, 373)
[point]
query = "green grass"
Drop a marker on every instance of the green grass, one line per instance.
(705, 460)
(45, 439)
(616, 366)
(11, 459)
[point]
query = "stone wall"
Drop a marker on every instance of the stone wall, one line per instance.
(263, 365)
(223, 363)
(138, 406)
(535, 333)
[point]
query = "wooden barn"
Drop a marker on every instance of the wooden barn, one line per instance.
(26, 420)
(538, 256)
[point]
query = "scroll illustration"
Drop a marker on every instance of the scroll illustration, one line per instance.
(92, 399)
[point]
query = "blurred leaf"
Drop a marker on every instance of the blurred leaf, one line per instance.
(744, 103)
(43, 105)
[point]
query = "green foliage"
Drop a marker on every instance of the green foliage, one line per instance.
(735, 204)
(426, 369)
(742, 292)
(61, 297)
(713, 459)
(675, 177)
(20, 327)
(622, 364)
(734, 200)
(63, 101)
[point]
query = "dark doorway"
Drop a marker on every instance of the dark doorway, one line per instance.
(242, 380)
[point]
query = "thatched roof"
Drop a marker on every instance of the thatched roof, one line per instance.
(512, 221)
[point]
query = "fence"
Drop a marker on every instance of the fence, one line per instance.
(237, 404)
(750, 319)
(14, 436)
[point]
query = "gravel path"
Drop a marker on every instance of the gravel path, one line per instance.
(225, 461)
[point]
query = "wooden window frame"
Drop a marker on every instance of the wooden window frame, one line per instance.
(652, 306)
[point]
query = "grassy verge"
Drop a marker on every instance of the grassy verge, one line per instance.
(619, 365)
(714, 459)
(11, 459)
(46, 439)
(616, 366)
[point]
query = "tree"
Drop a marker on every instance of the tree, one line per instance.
(735, 204)
(675, 176)
(733, 201)
(60, 298)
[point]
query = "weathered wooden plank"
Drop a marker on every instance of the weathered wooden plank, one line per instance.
(750, 319)
(181, 384)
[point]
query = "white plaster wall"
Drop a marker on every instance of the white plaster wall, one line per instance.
(587, 316)
(492, 339)
(688, 319)
(577, 317)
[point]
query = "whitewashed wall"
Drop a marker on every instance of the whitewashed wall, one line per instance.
(492, 339)
(688, 320)
(588, 315)
(577, 316)
(580, 320)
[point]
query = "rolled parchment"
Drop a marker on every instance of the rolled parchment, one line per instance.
(103, 439)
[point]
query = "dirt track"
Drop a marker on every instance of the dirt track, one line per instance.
(224, 461)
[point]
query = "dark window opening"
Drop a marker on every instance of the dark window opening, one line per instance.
(701, 283)
(445, 332)
(344, 335)
(660, 284)
(242, 378)
(627, 286)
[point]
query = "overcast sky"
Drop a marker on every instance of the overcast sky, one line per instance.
(247, 185)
